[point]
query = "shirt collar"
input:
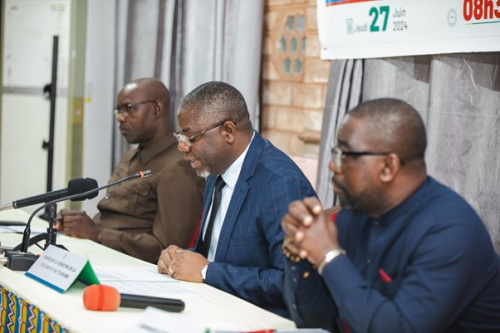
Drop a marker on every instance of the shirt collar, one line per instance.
(231, 175)
(154, 148)
(408, 205)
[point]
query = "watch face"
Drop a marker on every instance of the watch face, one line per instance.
(452, 17)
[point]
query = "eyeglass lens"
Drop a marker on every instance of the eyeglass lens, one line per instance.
(126, 109)
(337, 157)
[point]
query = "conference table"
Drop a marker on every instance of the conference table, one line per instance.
(28, 305)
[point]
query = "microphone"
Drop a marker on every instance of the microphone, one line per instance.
(75, 186)
(23, 247)
(98, 297)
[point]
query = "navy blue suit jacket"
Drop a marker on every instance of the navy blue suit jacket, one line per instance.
(249, 262)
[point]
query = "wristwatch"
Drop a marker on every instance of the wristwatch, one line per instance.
(329, 256)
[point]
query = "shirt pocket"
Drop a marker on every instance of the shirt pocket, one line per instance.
(389, 289)
(142, 200)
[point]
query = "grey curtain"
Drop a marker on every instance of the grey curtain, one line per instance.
(343, 93)
(458, 95)
(188, 42)
(144, 37)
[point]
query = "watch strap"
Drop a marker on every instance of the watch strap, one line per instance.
(329, 256)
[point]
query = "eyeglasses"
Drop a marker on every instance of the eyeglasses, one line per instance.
(189, 140)
(126, 109)
(339, 154)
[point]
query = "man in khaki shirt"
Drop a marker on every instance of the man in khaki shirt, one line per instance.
(143, 216)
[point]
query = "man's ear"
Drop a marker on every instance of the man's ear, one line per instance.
(392, 164)
(157, 108)
(229, 130)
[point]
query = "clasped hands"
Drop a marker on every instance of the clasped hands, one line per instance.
(182, 264)
(309, 233)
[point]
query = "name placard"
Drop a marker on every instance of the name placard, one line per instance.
(59, 269)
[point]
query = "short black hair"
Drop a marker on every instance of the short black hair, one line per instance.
(216, 100)
(395, 125)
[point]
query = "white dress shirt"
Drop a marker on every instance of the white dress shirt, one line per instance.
(230, 177)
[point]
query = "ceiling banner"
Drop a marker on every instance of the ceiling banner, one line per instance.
(353, 29)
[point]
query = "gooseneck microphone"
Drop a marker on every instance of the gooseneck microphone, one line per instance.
(75, 186)
(18, 258)
(98, 297)
(27, 231)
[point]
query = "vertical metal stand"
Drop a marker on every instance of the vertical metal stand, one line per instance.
(51, 234)
(51, 90)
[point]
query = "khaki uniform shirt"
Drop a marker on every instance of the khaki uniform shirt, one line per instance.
(143, 216)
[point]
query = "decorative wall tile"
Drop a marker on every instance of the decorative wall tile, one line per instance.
(313, 119)
(317, 71)
(277, 93)
(313, 47)
(294, 78)
(289, 119)
(270, 72)
(307, 95)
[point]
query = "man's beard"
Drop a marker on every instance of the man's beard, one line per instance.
(345, 198)
(365, 202)
(203, 174)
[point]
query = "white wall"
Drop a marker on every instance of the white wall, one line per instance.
(27, 68)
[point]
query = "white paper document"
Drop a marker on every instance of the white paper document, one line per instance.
(141, 281)
(20, 229)
(157, 321)
(131, 274)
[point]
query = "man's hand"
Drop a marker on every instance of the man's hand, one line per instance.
(182, 265)
(308, 232)
(77, 224)
(166, 257)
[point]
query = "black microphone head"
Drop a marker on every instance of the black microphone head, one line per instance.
(82, 185)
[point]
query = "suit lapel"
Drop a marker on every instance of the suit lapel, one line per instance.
(239, 195)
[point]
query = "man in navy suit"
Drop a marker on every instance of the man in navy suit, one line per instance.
(241, 252)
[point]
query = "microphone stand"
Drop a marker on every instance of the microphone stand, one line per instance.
(19, 257)
(51, 233)
(51, 89)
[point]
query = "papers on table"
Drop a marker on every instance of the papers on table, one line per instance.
(140, 281)
(131, 274)
(20, 229)
(153, 321)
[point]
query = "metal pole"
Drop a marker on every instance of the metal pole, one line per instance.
(49, 145)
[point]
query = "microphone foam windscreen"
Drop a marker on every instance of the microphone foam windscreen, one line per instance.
(82, 185)
(98, 297)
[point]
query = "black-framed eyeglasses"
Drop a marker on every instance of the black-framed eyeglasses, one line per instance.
(126, 109)
(181, 137)
(339, 154)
